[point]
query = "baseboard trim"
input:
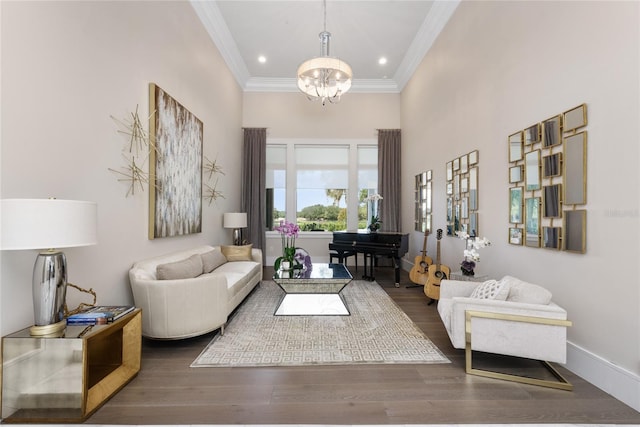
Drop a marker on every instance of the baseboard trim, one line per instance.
(612, 379)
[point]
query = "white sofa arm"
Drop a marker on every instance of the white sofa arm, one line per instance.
(456, 288)
(174, 309)
(256, 254)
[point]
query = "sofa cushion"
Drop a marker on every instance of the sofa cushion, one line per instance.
(185, 269)
(212, 260)
(521, 291)
(237, 253)
(491, 289)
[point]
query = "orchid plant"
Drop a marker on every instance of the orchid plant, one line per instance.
(374, 199)
(471, 254)
(288, 232)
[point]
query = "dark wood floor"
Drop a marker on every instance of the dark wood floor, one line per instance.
(168, 391)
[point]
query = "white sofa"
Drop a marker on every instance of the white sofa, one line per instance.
(182, 307)
(509, 317)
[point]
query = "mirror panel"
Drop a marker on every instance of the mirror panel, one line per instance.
(532, 220)
(552, 201)
(449, 171)
(464, 185)
(464, 164)
(515, 236)
(465, 208)
(575, 231)
(551, 131)
(515, 205)
(473, 190)
(532, 134)
(473, 224)
(575, 167)
(473, 157)
(456, 164)
(551, 237)
(575, 118)
(552, 165)
(422, 213)
(515, 147)
(532, 170)
(515, 174)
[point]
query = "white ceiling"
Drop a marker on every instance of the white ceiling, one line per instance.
(286, 32)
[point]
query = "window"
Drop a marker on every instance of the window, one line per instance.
(320, 185)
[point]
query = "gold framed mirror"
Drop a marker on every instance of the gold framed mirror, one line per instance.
(552, 128)
(515, 174)
(515, 205)
(551, 237)
(473, 157)
(515, 236)
(449, 171)
(423, 194)
(515, 147)
(532, 134)
(574, 118)
(464, 164)
(532, 221)
(575, 169)
(532, 170)
(552, 165)
(552, 201)
(575, 231)
(473, 189)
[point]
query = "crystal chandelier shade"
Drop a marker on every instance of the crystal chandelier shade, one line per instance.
(324, 77)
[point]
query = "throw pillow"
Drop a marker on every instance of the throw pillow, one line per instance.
(212, 260)
(521, 291)
(185, 269)
(491, 289)
(237, 253)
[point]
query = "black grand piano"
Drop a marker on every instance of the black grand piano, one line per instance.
(372, 245)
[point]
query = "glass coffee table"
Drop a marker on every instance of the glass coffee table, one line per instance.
(313, 292)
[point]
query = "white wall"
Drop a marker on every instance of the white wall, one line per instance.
(66, 68)
(499, 67)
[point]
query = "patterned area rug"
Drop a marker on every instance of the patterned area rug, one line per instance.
(377, 331)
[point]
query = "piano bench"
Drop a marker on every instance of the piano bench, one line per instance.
(343, 259)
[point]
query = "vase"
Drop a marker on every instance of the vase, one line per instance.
(467, 272)
(285, 265)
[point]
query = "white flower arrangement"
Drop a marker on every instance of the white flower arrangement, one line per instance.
(473, 244)
(375, 222)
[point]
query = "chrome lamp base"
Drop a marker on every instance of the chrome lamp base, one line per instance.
(237, 236)
(49, 292)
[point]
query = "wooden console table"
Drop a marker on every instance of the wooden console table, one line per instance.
(67, 378)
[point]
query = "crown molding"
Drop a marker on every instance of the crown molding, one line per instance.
(262, 84)
(216, 27)
(436, 19)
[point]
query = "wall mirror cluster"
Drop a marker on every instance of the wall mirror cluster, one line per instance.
(548, 183)
(423, 201)
(462, 194)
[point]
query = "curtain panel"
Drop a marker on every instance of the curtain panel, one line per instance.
(254, 186)
(389, 142)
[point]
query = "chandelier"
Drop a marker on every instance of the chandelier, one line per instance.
(324, 78)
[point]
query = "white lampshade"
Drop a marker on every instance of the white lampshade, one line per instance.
(47, 223)
(234, 220)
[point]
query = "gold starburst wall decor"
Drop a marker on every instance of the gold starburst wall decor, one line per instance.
(212, 193)
(136, 154)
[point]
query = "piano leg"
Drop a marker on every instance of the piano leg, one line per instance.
(396, 264)
(368, 261)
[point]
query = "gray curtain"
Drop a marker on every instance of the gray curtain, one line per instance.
(389, 141)
(253, 185)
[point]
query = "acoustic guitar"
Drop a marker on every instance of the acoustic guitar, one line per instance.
(437, 273)
(420, 271)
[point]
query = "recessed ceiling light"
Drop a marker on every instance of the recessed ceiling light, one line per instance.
(382, 60)
(262, 59)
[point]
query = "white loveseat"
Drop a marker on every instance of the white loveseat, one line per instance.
(509, 317)
(180, 301)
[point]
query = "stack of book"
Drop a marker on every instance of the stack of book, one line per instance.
(99, 315)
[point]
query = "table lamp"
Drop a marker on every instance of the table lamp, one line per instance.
(237, 221)
(48, 225)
